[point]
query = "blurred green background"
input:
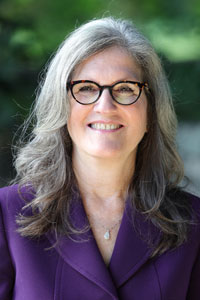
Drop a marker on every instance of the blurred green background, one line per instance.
(30, 31)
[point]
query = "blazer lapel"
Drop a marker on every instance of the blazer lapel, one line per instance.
(81, 252)
(131, 251)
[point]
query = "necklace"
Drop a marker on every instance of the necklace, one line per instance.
(107, 234)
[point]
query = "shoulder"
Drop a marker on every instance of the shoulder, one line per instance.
(186, 206)
(194, 209)
(13, 199)
(195, 202)
(185, 202)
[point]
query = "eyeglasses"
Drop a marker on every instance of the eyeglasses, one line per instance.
(123, 92)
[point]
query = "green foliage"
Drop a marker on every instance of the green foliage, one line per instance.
(175, 43)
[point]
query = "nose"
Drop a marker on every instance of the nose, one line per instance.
(105, 103)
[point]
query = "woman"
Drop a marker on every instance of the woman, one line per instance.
(98, 208)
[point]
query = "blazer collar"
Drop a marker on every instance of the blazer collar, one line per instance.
(129, 254)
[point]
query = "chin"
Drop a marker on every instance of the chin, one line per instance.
(106, 153)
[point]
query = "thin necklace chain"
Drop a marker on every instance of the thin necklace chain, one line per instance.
(107, 234)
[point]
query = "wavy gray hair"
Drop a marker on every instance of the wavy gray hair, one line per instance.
(45, 160)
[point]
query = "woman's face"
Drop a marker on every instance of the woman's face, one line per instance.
(130, 122)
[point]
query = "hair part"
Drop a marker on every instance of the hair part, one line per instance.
(45, 161)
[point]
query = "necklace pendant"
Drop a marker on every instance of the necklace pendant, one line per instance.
(107, 235)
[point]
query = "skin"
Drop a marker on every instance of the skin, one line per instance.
(103, 160)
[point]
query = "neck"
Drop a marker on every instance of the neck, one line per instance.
(103, 182)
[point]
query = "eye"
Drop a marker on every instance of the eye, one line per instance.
(84, 88)
(125, 88)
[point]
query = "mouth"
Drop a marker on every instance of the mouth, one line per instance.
(105, 127)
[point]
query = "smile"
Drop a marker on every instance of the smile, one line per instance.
(102, 126)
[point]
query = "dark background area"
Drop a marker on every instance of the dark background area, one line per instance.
(30, 31)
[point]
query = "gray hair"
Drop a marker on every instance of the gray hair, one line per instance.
(45, 160)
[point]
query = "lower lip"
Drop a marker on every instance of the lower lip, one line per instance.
(105, 130)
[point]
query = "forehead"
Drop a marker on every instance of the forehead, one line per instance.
(114, 63)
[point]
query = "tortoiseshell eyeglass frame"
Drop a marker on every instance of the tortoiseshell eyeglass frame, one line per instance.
(141, 85)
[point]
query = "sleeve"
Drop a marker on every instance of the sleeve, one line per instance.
(194, 286)
(6, 268)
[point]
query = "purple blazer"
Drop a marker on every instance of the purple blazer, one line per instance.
(76, 271)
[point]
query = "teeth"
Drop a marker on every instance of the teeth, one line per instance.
(104, 126)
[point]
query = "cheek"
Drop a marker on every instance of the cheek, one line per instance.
(144, 113)
(77, 119)
(144, 122)
(138, 116)
(71, 122)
